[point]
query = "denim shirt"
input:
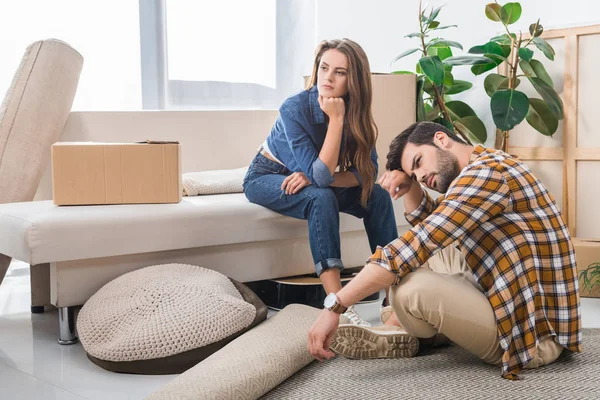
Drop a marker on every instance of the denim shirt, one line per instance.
(298, 136)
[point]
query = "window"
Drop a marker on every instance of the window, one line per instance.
(208, 42)
(223, 54)
(111, 76)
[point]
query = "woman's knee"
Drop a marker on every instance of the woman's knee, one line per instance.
(380, 198)
(322, 197)
(251, 191)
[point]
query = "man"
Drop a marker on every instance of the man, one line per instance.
(509, 296)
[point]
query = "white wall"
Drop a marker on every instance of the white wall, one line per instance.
(106, 33)
(380, 25)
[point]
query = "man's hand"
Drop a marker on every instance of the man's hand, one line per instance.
(294, 183)
(397, 183)
(334, 107)
(321, 334)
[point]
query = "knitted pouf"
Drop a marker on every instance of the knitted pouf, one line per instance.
(164, 319)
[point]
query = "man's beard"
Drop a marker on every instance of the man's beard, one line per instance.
(448, 169)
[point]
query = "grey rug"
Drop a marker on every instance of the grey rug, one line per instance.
(446, 373)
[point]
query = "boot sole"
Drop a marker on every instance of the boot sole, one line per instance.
(359, 343)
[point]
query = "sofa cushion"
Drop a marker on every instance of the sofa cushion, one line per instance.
(40, 232)
(164, 319)
(33, 115)
(213, 182)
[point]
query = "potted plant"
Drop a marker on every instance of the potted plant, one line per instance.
(435, 82)
(590, 277)
(510, 106)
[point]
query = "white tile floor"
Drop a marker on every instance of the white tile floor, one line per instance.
(34, 366)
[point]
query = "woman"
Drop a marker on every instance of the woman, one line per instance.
(326, 126)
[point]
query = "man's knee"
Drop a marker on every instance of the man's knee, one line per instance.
(413, 287)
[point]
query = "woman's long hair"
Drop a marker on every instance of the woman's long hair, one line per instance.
(360, 130)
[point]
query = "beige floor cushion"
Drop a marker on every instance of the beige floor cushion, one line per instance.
(164, 319)
(251, 365)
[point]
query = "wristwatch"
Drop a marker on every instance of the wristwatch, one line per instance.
(331, 303)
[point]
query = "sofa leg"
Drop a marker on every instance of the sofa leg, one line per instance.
(39, 275)
(66, 323)
(37, 309)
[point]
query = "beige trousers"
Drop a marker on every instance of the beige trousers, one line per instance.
(443, 297)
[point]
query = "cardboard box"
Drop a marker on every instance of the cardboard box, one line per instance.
(116, 173)
(587, 254)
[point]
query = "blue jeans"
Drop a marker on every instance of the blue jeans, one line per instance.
(321, 207)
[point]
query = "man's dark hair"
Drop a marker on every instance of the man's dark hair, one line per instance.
(419, 133)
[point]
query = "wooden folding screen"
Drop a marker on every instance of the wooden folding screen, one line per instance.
(568, 162)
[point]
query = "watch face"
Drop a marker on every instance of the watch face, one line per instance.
(330, 300)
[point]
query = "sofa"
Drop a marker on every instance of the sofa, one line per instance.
(74, 250)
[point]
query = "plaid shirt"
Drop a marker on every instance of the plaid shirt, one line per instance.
(514, 240)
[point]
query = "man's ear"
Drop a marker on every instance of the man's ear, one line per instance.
(441, 140)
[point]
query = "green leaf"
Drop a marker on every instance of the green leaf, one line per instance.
(536, 29)
(433, 25)
(505, 50)
(495, 58)
(525, 54)
(448, 79)
(428, 88)
(442, 52)
(414, 34)
(494, 82)
(492, 11)
(510, 13)
(473, 128)
(403, 73)
(503, 39)
(550, 97)
(534, 68)
(418, 68)
(433, 68)
(443, 121)
(439, 28)
(509, 108)
(467, 60)
(544, 47)
(459, 109)
(541, 118)
(488, 48)
(434, 14)
(459, 86)
(431, 113)
(526, 68)
(446, 43)
(420, 103)
(481, 68)
(404, 54)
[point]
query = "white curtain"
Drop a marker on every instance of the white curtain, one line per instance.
(253, 57)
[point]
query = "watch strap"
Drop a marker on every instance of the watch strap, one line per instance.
(338, 308)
